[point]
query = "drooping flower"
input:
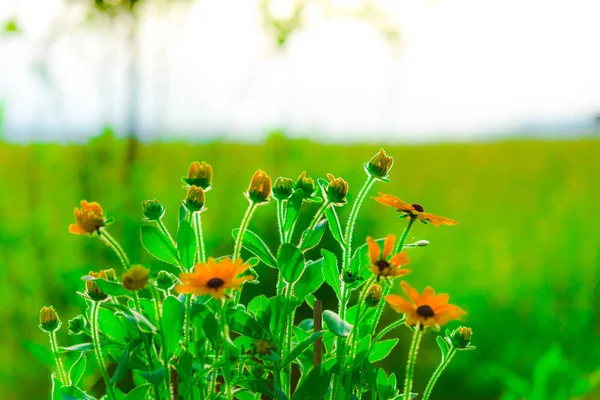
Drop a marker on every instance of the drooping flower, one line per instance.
(373, 296)
(92, 289)
(199, 175)
(135, 278)
(214, 277)
(380, 265)
(427, 309)
(89, 219)
(259, 190)
(414, 210)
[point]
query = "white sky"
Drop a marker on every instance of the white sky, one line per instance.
(463, 69)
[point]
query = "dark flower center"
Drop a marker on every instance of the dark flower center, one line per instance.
(418, 207)
(425, 311)
(215, 283)
(382, 264)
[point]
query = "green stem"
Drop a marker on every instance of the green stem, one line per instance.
(388, 328)
(237, 250)
(282, 239)
(199, 237)
(412, 358)
(96, 341)
(288, 336)
(60, 369)
(400, 244)
(438, 371)
(186, 332)
(147, 344)
(116, 247)
(163, 229)
(165, 354)
(225, 347)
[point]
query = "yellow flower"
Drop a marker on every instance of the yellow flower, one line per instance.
(135, 278)
(214, 277)
(199, 175)
(414, 211)
(259, 190)
(89, 219)
(337, 190)
(380, 265)
(380, 164)
(262, 347)
(427, 309)
(49, 321)
(92, 289)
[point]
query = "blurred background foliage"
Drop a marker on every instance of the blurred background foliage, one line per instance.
(523, 260)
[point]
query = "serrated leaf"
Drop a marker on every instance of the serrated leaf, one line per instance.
(381, 350)
(334, 225)
(159, 245)
(311, 238)
(256, 246)
(335, 324)
(331, 273)
(291, 262)
(300, 348)
(186, 244)
(77, 369)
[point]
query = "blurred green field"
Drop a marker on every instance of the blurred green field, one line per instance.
(524, 260)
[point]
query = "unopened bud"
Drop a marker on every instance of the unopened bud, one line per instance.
(283, 188)
(92, 289)
(49, 321)
(165, 280)
(111, 275)
(373, 295)
(199, 175)
(337, 190)
(152, 210)
(259, 190)
(194, 200)
(461, 337)
(307, 185)
(76, 325)
(379, 166)
(135, 278)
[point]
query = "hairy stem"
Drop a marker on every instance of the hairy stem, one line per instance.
(111, 242)
(163, 229)
(237, 249)
(438, 371)
(201, 255)
(165, 355)
(147, 343)
(412, 359)
(96, 341)
(60, 369)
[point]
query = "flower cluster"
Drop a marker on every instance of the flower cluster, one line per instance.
(182, 328)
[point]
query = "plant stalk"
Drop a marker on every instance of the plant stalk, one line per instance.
(412, 359)
(438, 371)
(60, 369)
(96, 341)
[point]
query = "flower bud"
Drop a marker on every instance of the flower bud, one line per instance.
(461, 337)
(259, 190)
(76, 325)
(152, 210)
(165, 280)
(379, 166)
(307, 185)
(349, 277)
(373, 295)
(111, 275)
(283, 188)
(49, 321)
(194, 200)
(337, 190)
(199, 175)
(135, 278)
(262, 347)
(92, 289)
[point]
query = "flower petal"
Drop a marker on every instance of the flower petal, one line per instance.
(76, 230)
(427, 297)
(437, 220)
(388, 246)
(400, 259)
(374, 250)
(448, 313)
(400, 304)
(401, 271)
(410, 291)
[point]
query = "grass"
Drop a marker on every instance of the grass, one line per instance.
(524, 260)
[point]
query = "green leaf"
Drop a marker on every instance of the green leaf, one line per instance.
(311, 238)
(300, 348)
(172, 321)
(443, 345)
(381, 350)
(139, 393)
(334, 225)
(243, 323)
(291, 262)
(56, 385)
(331, 272)
(258, 304)
(159, 245)
(316, 383)
(362, 349)
(78, 368)
(186, 244)
(278, 312)
(310, 281)
(205, 321)
(112, 288)
(256, 246)
(111, 326)
(74, 393)
(138, 320)
(123, 364)
(294, 205)
(41, 353)
(335, 324)
(78, 347)
(154, 377)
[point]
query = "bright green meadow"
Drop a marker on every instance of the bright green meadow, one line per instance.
(524, 260)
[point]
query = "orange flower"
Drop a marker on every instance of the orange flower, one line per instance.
(414, 211)
(380, 264)
(89, 219)
(214, 277)
(427, 309)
